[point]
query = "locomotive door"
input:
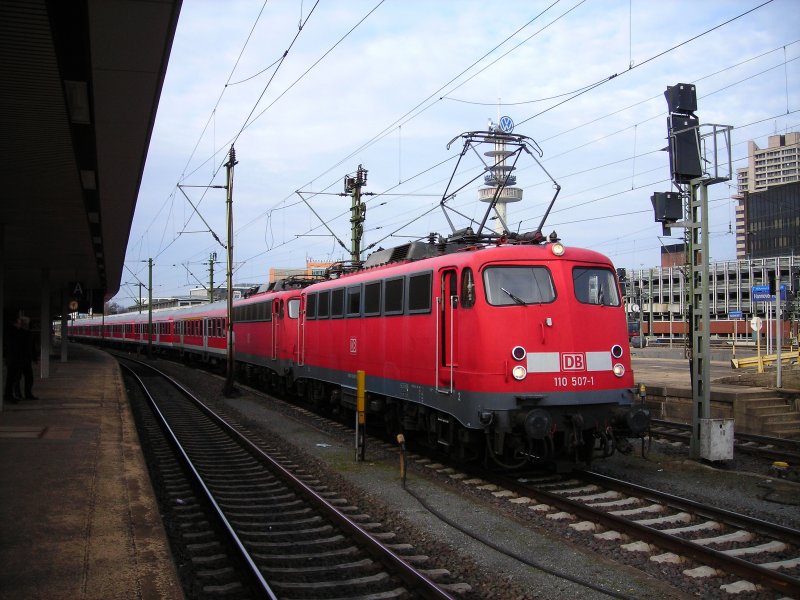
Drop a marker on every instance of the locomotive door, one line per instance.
(277, 315)
(446, 344)
(292, 338)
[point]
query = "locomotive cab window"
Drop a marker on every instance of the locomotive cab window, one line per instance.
(595, 286)
(467, 288)
(293, 308)
(507, 286)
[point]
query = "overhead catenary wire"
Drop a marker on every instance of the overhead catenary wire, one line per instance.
(285, 204)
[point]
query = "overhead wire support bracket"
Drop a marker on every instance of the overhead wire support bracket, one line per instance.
(321, 220)
(211, 231)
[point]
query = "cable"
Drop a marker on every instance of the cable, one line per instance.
(510, 553)
(652, 58)
(283, 204)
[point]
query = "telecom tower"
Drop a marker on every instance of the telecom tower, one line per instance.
(500, 175)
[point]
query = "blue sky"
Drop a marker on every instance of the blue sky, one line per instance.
(410, 76)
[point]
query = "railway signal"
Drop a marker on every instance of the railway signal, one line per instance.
(696, 160)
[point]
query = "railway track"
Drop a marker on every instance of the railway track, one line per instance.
(760, 446)
(250, 527)
(744, 553)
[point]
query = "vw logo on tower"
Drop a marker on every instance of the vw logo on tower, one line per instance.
(506, 124)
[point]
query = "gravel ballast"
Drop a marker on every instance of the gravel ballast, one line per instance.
(561, 559)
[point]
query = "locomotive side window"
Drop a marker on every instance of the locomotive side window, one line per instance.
(393, 298)
(337, 303)
(263, 312)
(595, 286)
(372, 299)
(311, 306)
(293, 308)
(518, 285)
(467, 288)
(419, 293)
(324, 305)
(354, 301)
(268, 310)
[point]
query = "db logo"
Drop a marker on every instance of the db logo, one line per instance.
(573, 361)
(353, 346)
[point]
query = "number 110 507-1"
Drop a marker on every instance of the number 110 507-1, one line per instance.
(575, 381)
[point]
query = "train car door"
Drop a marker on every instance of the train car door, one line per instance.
(205, 334)
(291, 333)
(301, 332)
(447, 343)
(277, 317)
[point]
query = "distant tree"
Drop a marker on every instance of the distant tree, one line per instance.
(112, 308)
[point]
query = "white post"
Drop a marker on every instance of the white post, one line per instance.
(779, 334)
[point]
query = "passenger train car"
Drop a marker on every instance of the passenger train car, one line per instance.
(512, 351)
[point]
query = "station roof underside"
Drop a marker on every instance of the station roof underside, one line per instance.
(79, 88)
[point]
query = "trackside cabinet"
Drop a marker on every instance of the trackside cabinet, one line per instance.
(716, 439)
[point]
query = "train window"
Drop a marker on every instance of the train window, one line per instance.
(393, 297)
(311, 306)
(354, 301)
(595, 286)
(372, 299)
(262, 312)
(467, 288)
(518, 285)
(268, 310)
(419, 293)
(337, 303)
(323, 306)
(293, 308)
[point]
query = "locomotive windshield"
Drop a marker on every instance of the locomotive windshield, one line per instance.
(595, 286)
(518, 285)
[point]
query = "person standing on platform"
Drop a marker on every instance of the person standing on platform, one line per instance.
(27, 351)
(12, 353)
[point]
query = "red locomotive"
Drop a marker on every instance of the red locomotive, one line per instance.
(511, 349)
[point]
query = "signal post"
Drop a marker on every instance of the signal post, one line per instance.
(699, 156)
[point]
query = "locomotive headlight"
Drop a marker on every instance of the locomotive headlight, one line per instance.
(519, 372)
(518, 352)
(619, 370)
(616, 351)
(557, 248)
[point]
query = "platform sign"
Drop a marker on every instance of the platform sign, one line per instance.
(760, 293)
(735, 314)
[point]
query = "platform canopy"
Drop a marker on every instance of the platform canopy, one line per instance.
(80, 82)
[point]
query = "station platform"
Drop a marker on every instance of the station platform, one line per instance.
(78, 518)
